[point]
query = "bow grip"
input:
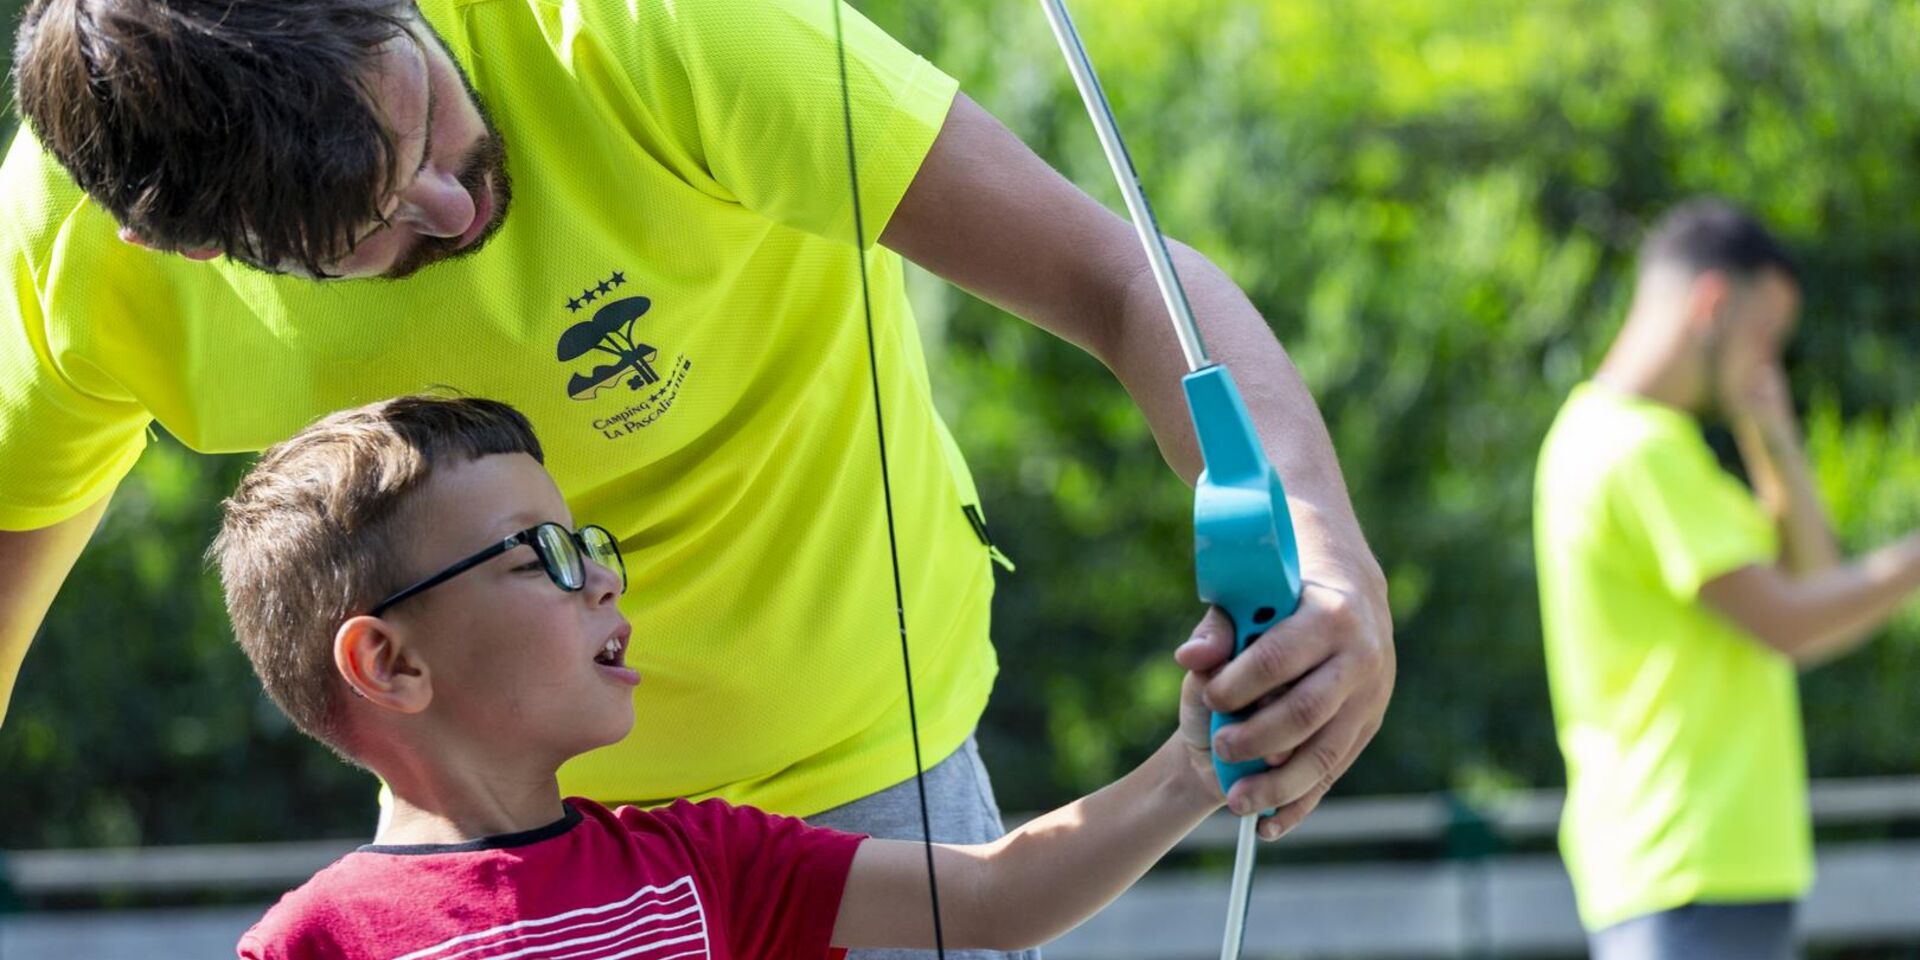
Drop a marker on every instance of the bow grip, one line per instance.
(1245, 559)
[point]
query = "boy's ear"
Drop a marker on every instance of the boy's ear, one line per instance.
(132, 236)
(380, 666)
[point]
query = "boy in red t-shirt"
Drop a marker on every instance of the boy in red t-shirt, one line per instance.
(408, 584)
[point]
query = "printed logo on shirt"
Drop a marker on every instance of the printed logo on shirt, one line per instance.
(655, 923)
(622, 358)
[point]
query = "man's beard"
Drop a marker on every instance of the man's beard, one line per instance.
(487, 162)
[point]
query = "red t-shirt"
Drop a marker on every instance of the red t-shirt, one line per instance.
(705, 881)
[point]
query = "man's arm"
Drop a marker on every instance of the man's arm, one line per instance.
(1816, 617)
(1044, 878)
(33, 565)
(988, 215)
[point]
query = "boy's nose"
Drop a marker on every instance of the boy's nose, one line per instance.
(603, 585)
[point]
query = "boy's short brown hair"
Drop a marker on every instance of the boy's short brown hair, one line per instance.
(311, 536)
(246, 126)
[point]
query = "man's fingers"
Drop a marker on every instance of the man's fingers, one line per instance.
(1283, 654)
(1286, 818)
(1287, 722)
(1211, 644)
(1323, 757)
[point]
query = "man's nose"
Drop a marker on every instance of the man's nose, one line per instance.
(436, 204)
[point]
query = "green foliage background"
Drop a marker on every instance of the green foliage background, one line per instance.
(1434, 203)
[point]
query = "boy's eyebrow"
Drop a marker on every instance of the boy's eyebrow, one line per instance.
(521, 520)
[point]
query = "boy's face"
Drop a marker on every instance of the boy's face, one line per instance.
(513, 661)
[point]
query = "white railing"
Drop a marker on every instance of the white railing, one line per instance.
(1494, 904)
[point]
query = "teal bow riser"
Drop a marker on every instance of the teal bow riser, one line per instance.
(1245, 559)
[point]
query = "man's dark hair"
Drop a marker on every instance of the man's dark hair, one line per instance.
(243, 125)
(1711, 234)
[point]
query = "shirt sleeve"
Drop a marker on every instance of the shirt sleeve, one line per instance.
(761, 80)
(250, 948)
(275, 939)
(1695, 520)
(67, 435)
(779, 879)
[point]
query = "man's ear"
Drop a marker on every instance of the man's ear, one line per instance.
(132, 236)
(380, 666)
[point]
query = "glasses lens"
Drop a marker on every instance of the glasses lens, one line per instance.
(561, 555)
(604, 550)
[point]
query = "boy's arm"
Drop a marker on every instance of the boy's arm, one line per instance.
(1044, 878)
(1769, 438)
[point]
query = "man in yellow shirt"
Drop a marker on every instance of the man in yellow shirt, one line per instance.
(635, 222)
(1677, 605)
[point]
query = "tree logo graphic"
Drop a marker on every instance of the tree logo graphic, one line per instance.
(610, 331)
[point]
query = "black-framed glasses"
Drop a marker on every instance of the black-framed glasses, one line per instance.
(562, 552)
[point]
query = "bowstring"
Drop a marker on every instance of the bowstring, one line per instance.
(886, 481)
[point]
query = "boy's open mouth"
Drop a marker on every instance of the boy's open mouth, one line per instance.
(613, 653)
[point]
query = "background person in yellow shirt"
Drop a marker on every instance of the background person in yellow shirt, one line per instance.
(1677, 605)
(632, 221)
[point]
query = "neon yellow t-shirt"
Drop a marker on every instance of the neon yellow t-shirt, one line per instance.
(680, 183)
(1686, 774)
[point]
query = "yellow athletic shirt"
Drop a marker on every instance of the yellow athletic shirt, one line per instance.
(1686, 775)
(674, 299)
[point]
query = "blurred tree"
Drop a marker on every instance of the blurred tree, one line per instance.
(136, 718)
(1436, 206)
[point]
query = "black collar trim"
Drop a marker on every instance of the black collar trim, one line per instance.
(499, 841)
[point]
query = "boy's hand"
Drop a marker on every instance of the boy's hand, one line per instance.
(1194, 734)
(1317, 683)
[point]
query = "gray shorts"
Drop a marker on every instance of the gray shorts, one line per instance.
(961, 807)
(1702, 931)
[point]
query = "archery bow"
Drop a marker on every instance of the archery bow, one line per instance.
(886, 481)
(1245, 559)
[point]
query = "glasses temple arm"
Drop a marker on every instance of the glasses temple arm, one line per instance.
(457, 569)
